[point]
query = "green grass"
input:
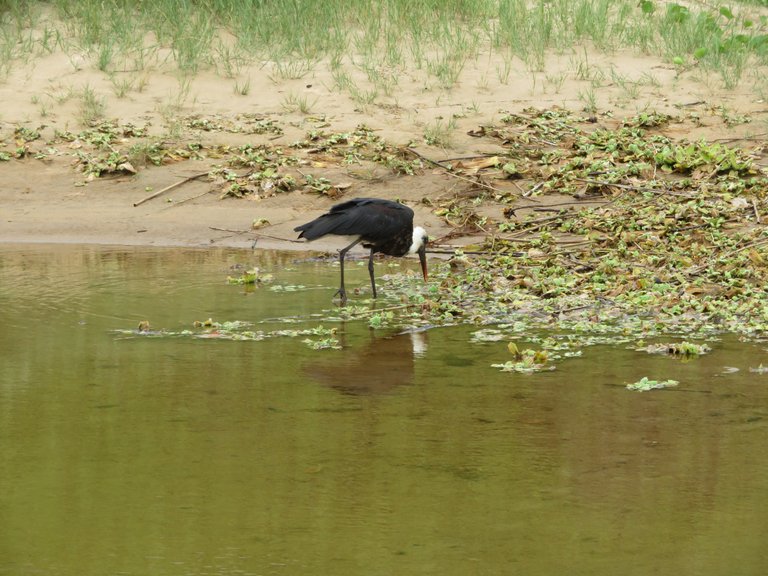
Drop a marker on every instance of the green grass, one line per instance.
(290, 69)
(439, 37)
(92, 107)
(438, 133)
(243, 88)
(122, 85)
(589, 99)
(297, 103)
(362, 96)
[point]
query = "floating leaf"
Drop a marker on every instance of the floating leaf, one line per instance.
(487, 335)
(685, 349)
(323, 344)
(526, 361)
(250, 277)
(645, 384)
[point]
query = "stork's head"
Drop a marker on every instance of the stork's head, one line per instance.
(419, 246)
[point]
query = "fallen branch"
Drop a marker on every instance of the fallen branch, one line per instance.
(753, 138)
(228, 230)
(171, 187)
(470, 252)
(361, 313)
(190, 198)
(527, 193)
(257, 234)
(550, 207)
(428, 160)
(293, 240)
(617, 185)
(471, 157)
(696, 269)
(537, 224)
(477, 182)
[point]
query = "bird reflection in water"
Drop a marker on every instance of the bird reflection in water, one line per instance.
(381, 366)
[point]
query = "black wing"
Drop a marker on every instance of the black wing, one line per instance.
(375, 220)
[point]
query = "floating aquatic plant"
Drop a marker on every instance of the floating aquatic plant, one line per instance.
(679, 349)
(250, 277)
(323, 343)
(650, 235)
(645, 384)
(525, 361)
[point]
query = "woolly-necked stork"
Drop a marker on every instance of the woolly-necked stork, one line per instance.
(381, 225)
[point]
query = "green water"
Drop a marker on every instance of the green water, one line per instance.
(403, 455)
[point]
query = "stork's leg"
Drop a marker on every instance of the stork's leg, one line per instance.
(342, 293)
(370, 271)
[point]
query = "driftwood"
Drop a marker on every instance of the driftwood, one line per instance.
(171, 187)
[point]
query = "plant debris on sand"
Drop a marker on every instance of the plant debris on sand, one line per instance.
(603, 225)
(666, 230)
(588, 221)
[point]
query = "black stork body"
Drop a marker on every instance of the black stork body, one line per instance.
(381, 225)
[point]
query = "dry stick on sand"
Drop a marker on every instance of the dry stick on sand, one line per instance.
(256, 234)
(195, 197)
(460, 177)
(752, 138)
(696, 269)
(228, 230)
(618, 185)
(171, 187)
(448, 250)
(471, 157)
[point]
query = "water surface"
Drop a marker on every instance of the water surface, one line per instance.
(399, 454)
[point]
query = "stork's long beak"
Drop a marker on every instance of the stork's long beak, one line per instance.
(423, 259)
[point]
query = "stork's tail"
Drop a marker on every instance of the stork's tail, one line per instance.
(325, 224)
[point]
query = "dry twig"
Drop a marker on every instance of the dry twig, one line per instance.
(171, 187)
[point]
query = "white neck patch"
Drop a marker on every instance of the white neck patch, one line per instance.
(419, 239)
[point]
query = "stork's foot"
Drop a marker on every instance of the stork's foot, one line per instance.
(342, 296)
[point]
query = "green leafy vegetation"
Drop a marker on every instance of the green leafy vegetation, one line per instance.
(525, 361)
(378, 39)
(677, 349)
(645, 384)
(653, 235)
(612, 228)
(236, 330)
(250, 277)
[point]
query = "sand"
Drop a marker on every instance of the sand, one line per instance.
(49, 201)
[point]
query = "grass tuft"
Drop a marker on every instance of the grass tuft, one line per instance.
(297, 103)
(439, 132)
(92, 107)
(244, 88)
(382, 38)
